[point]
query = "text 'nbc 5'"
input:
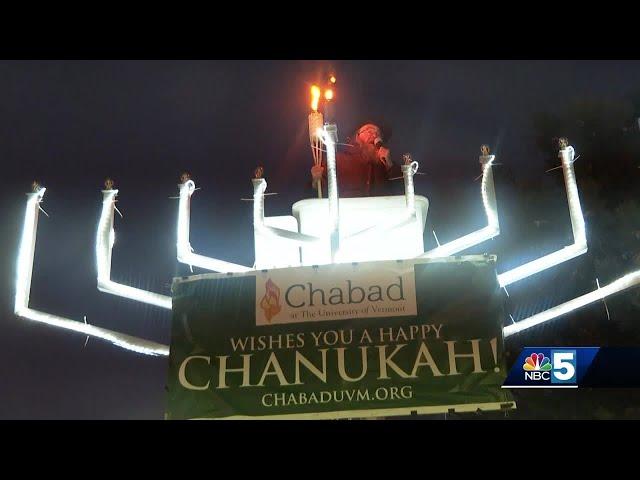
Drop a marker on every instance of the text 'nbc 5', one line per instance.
(545, 367)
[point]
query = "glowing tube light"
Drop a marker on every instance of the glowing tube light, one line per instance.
(628, 281)
(184, 251)
(23, 288)
(579, 245)
(491, 209)
(259, 187)
(382, 228)
(105, 238)
(128, 342)
(408, 171)
(330, 138)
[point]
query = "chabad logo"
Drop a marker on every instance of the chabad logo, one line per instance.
(270, 302)
(336, 292)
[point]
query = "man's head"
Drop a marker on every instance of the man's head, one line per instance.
(368, 133)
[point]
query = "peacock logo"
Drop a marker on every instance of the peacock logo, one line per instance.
(537, 362)
(270, 302)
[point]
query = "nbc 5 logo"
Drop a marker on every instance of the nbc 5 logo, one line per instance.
(560, 368)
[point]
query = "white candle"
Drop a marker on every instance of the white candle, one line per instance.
(316, 121)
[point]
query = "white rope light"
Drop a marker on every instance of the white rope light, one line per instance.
(259, 187)
(491, 210)
(628, 281)
(579, 245)
(24, 272)
(330, 138)
(185, 253)
(408, 171)
(105, 238)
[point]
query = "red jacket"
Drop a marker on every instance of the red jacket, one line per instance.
(360, 174)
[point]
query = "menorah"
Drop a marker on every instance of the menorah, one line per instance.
(319, 231)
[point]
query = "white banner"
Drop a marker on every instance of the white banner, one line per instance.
(335, 292)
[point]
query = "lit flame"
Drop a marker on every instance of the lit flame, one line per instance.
(315, 97)
(332, 79)
(328, 94)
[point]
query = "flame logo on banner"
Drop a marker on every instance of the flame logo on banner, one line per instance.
(270, 303)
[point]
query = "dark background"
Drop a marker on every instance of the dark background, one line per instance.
(71, 123)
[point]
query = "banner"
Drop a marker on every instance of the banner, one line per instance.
(339, 341)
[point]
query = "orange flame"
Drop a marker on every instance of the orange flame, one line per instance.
(328, 95)
(332, 79)
(315, 97)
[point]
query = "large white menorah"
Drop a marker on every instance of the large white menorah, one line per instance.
(320, 231)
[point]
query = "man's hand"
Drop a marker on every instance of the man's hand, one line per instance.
(316, 174)
(384, 155)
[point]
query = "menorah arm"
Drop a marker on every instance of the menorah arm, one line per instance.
(491, 210)
(105, 238)
(624, 283)
(579, 245)
(184, 252)
(24, 272)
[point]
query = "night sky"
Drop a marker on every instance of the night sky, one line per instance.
(70, 124)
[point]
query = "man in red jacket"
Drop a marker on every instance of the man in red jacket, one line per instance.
(364, 167)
